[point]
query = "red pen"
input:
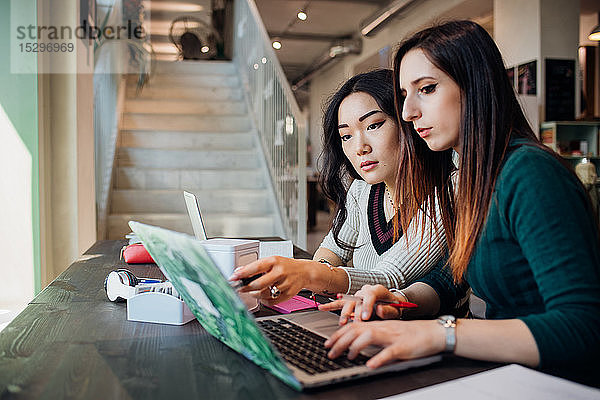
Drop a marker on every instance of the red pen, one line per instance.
(398, 304)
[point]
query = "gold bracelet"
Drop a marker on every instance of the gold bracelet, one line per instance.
(332, 269)
(325, 261)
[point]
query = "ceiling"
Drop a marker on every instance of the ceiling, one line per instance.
(304, 42)
(329, 21)
(589, 6)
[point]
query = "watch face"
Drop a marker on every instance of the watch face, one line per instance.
(447, 320)
(449, 324)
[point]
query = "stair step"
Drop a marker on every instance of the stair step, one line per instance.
(229, 123)
(186, 93)
(188, 179)
(184, 159)
(187, 140)
(194, 67)
(189, 129)
(171, 201)
(195, 80)
(176, 106)
(217, 225)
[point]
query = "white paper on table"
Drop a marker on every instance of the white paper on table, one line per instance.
(512, 382)
(283, 248)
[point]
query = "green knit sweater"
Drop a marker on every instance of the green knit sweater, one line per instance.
(538, 260)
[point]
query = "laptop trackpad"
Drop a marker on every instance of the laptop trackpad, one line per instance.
(324, 323)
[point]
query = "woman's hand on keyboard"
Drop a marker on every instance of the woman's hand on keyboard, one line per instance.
(363, 310)
(401, 340)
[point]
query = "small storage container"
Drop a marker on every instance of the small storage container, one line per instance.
(229, 254)
(158, 308)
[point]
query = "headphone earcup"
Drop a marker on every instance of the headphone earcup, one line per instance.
(120, 285)
(132, 280)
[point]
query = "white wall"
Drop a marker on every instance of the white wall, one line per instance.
(16, 234)
(516, 32)
(527, 30)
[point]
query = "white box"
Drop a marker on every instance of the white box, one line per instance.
(229, 254)
(159, 308)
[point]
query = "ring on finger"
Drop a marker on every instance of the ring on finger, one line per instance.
(275, 292)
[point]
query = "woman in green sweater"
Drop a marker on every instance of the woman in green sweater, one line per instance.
(520, 227)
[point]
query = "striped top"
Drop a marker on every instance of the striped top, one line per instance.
(376, 258)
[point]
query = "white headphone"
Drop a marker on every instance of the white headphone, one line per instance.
(120, 284)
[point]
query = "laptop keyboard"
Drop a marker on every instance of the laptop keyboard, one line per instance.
(303, 348)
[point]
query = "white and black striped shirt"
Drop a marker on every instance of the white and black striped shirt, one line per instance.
(376, 258)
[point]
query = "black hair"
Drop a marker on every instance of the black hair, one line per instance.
(337, 172)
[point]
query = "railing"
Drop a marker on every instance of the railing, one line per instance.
(280, 123)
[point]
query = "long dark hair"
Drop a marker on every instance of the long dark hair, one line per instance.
(337, 171)
(491, 116)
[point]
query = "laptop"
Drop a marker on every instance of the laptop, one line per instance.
(288, 346)
(193, 209)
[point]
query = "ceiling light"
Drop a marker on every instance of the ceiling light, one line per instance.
(289, 125)
(595, 33)
(264, 60)
(164, 48)
(276, 44)
(161, 28)
(172, 6)
(302, 15)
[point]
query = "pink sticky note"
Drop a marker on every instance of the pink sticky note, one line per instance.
(296, 303)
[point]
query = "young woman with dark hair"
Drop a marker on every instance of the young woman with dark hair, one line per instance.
(360, 164)
(520, 227)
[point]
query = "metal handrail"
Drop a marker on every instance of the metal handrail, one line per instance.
(268, 49)
(280, 123)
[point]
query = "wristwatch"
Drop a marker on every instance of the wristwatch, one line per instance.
(449, 323)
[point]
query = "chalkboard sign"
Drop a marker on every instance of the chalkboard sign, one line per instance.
(560, 90)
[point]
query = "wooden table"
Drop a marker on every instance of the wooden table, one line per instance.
(71, 342)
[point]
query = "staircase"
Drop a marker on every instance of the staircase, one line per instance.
(189, 129)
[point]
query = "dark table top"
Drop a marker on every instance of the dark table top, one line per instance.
(71, 342)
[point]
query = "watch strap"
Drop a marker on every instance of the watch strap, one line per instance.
(449, 324)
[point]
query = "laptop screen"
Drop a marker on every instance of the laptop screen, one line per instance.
(193, 208)
(209, 296)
